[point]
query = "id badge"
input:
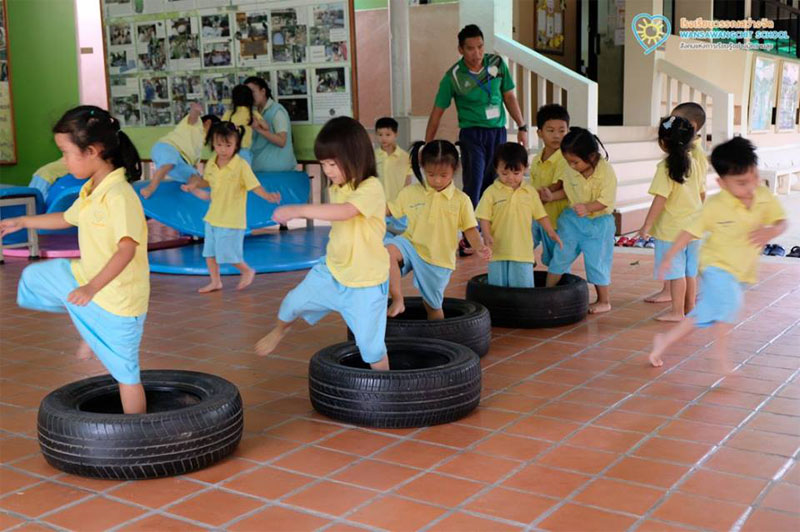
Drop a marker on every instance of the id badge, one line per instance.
(492, 112)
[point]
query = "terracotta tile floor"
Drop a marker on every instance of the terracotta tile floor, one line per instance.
(575, 431)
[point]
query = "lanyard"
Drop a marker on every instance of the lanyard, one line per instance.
(486, 87)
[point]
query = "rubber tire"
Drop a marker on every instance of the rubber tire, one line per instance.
(403, 397)
(532, 308)
(465, 322)
(140, 446)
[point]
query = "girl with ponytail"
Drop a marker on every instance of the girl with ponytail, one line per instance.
(677, 190)
(106, 291)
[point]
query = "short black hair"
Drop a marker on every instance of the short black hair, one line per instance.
(260, 82)
(551, 111)
(214, 119)
(386, 122)
(734, 157)
(693, 112)
(513, 155)
(469, 31)
(345, 140)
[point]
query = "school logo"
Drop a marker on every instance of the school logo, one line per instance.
(651, 30)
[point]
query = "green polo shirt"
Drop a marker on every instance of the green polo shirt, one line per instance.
(474, 93)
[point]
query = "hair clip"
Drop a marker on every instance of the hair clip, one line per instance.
(668, 123)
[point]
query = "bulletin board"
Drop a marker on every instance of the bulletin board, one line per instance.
(8, 142)
(162, 55)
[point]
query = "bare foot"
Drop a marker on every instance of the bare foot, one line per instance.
(147, 191)
(658, 348)
(268, 344)
(84, 352)
(599, 308)
(670, 317)
(396, 308)
(247, 279)
(660, 297)
(210, 287)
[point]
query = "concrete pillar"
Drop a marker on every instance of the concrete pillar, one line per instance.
(491, 16)
(639, 107)
(401, 57)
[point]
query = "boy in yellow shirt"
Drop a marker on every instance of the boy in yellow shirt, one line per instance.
(394, 167)
(736, 223)
(505, 213)
(177, 153)
(230, 178)
(547, 168)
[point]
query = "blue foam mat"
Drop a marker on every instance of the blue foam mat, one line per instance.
(283, 251)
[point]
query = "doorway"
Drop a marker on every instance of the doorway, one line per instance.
(602, 54)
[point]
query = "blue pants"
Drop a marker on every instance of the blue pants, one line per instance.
(162, 154)
(477, 149)
(363, 309)
(226, 245)
(594, 237)
(115, 340)
(720, 300)
(684, 264)
(511, 273)
(396, 226)
(540, 236)
(429, 279)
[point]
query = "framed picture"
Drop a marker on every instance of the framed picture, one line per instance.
(762, 93)
(788, 92)
(549, 23)
(8, 137)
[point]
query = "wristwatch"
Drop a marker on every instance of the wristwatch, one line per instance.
(523, 127)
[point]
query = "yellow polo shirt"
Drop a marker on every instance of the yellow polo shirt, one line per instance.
(434, 220)
(510, 213)
(698, 154)
(392, 170)
(52, 171)
(728, 223)
(683, 200)
(356, 255)
(242, 118)
(600, 186)
(188, 139)
(229, 187)
(544, 174)
(104, 216)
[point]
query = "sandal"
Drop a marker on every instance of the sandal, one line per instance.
(794, 253)
(777, 251)
(651, 243)
(767, 249)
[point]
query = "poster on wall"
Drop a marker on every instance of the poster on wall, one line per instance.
(151, 46)
(125, 100)
(184, 43)
(185, 90)
(8, 141)
(252, 38)
(787, 96)
(550, 17)
(331, 95)
(122, 53)
(762, 93)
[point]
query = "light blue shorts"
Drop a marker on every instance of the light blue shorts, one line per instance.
(594, 237)
(226, 245)
(511, 273)
(363, 309)
(162, 153)
(429, 279)
(540, 236)
(115, 340)
(396, 226)
(40, 184)
(720, 299)
(684, 264)
(247, 155)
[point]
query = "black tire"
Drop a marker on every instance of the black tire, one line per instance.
(532, 308)
(193, 420)
(465, 322)
(431, 382)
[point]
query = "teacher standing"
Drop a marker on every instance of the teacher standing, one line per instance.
(481, 86)
(272, 139)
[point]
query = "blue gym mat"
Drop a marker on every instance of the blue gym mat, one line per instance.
(283, 251)
(59, 198)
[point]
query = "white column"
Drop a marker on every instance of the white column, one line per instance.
(401, 57)
(91, 64)
(640, 89)
(491, 16)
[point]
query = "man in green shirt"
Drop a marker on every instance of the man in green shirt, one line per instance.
(481, 86)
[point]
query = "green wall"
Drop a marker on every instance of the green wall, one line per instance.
(382, 4)
(44, 79)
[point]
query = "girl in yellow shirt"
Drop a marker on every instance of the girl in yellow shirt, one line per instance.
(106, 291)
(241, 114)
(676, 190)
(353, 277)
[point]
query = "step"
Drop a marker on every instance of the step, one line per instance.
(610, 134)
(631, 151)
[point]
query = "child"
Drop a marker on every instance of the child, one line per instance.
(241, 114)
(353, 277)
(676, 190)
(587, 225)
(436, 212)
(505, 213)
(394, 167)
(230, 178)
(178, 152)
(106, 291)
(547, 167)
(44, 177)
(736, 223)
(696, 116)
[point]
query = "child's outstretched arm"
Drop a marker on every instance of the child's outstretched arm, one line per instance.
(53, 220)
(548, 194)
(652, 215)
(548, 228)
(195, 110)
(272, 197)
(474, 239)
(126, 249)
(681, 242)
(330, 212)
(486, 231)
(765, 233)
